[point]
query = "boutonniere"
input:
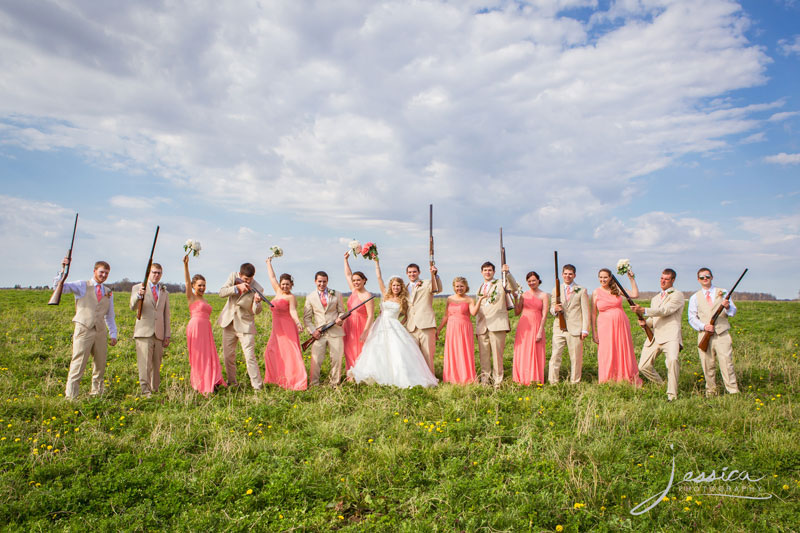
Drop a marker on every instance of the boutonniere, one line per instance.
(576, 290)
(332, 292)
(670, 290)
(721, 293)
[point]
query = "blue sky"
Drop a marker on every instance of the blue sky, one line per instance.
(664, 131)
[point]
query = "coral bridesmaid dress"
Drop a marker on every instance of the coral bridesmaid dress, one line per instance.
(616, 360)
(283, 359)
(529, 354)
(353, 328)
(459, 345)
(206, 372)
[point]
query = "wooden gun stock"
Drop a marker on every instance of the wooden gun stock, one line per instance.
(703, 344)
(329, 325)
(146, 276)
(648, 331)
(562, 322)
(55, 298)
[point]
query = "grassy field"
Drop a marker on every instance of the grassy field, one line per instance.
(551, 458)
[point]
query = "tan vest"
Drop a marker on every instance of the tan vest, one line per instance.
(155, 315)
(705, 311)
(420, 306)
(88, 311)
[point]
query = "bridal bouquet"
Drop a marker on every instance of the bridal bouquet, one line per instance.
(623, 266)
(369, 251)
(355, 247)
(193, 247)
(277, 251)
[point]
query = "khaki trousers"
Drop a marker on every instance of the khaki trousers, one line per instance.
(670, 349)
(86, 342)
(248, 341)
(490, 347)
(426, 339)
(719, 349)
(336, 346)
(149, 352)
(575, 346)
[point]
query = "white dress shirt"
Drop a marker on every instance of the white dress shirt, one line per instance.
(694, 320)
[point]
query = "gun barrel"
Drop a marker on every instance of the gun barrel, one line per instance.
(55, 298)
(147, 273)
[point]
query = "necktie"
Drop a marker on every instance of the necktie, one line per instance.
(485, 289)
(663, 295)
(323, 297)
(708, 297)
(99, 292)
(569, 291)
(155, 293)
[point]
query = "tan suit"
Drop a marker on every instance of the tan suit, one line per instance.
(664, 316)
(315, 315)
(238, 323)
(89, 337)
(149, 334)
(720, 347)
(421, 319)
(576, 315)
(491, 327)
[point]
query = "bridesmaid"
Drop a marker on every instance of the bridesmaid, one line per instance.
(356, 327)
(459, 342)
(206, 372)
(611, 331)
(283, 358)
(529, 344)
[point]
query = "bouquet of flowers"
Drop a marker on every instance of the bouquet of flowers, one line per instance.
(355, 247)
(277, 251)
(369, 251)
(193, 247)
(623, 266)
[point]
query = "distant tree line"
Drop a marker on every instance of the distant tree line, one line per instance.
(738, 296)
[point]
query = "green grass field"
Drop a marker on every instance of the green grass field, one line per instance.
(452, 458)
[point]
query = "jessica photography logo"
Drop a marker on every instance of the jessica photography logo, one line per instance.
(727, 483)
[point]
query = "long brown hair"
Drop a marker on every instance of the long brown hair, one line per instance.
(612, 287)
(403, 296)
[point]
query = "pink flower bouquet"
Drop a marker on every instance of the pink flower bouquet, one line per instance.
(369, 251)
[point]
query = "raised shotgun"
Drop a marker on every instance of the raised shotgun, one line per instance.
(147, 275)
(503, 277)
(55, 299)
(329, 325)
(562, 322)
(703, 344)
(646, 328)
(436, 287)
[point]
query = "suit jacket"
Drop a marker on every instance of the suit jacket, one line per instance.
(493, 316)
(420, 307)
(664, 316)
(316, 315)
(241, 309)
(155, 315)
(576, 310)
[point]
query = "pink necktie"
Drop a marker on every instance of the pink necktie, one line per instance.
(569, 292)
(323, 298)
(708, 297)
(155, 293)
(99, 291)
(663, 295)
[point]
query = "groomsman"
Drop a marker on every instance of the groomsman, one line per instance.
(94, 304)
(664, 316)
(151, 333)
(702, 306)
(491, 322)
(238, 323)
(421, 320)
(575, 306)
(322, 307)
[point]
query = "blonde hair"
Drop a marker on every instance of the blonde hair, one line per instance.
(612, 287)
(403, 296)
(460, 279)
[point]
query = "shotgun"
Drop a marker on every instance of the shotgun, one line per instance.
(253, 289)
(55, 299)
(646, 328)
(703, 344)
(329, 325)
(562, 322)
(509, 300)
(435, 285)
(147, 275)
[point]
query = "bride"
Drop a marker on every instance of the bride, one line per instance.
(390, 355)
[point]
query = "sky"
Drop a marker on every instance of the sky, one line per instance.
(662, 131)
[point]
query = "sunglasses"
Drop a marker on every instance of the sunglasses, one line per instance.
(703, 277)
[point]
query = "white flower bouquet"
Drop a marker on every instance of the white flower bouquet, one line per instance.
(623, 266)
(277, 251)
(193, 247)
(355, 247)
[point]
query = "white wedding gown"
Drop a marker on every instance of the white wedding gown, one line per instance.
(390, 355)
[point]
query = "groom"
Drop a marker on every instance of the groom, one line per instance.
(238, 323)
(491, 322)
(323, 306)
(421, 320)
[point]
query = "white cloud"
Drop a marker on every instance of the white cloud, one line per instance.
(777, 117)
(137, 202)
(783, 159)
(789, 46)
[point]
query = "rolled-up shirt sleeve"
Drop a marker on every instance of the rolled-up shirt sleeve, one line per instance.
(694, 319)
(110, 320)
(78, 288)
